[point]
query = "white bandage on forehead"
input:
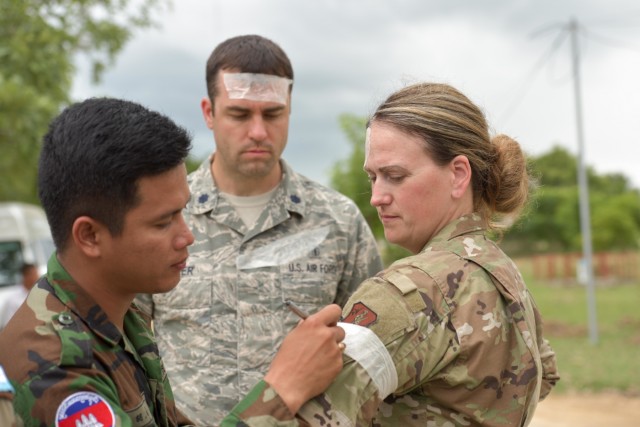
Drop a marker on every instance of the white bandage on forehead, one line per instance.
(364, 346)
(257, 87)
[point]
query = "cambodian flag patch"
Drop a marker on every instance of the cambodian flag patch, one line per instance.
(85, 409)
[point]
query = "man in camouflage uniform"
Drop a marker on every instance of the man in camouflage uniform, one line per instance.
(7, 416)
(263, 234)
(112, 181)
(432, 315)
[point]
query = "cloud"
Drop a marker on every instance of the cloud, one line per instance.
(349, 55)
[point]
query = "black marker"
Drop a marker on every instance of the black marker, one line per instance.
(291, 306)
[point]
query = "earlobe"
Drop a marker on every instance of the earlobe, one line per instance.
(461, 169)
(87, 235)
(207, 112)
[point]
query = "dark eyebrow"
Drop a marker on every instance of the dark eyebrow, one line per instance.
(165, 215)
(274, 109)
(387, 169)
(239, 109)
(170, 214)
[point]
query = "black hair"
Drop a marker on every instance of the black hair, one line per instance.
(93, 155)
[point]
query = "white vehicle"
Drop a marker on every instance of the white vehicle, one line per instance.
(24, 238)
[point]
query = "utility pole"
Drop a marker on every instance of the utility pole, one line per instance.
(585, 218)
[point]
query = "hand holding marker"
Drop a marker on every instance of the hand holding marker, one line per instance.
(303, 315)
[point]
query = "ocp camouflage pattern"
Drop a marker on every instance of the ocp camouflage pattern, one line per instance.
(220, 328)
(464, 334)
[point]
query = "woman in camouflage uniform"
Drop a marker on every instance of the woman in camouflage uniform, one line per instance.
(451, 335)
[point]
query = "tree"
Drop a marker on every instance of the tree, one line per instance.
(39, 40)
(553, 221)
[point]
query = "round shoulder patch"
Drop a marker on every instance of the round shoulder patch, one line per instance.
(85, 409)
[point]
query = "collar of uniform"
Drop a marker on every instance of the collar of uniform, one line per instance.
(292, 190)
(471, 223)
(205, 194)
(79, 302)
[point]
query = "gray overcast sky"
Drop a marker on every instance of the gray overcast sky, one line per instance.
(349, 54)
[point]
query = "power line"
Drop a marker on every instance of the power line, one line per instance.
(565, 29)
(526, 84)
(610, 42)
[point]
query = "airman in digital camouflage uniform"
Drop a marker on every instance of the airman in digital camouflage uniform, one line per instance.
(449, 336)
(263, 234)
(112, 182)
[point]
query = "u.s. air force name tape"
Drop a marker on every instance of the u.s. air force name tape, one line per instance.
(364, 346)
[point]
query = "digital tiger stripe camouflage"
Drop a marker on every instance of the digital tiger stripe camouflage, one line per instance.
(219, 329)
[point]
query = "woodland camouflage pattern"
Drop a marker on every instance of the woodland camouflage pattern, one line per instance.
(60, 342)
(464, 334)
(220, 328)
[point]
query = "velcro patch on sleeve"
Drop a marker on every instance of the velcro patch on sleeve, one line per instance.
(379, 306)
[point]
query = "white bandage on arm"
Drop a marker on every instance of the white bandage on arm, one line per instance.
(257, 87)
(364, 346)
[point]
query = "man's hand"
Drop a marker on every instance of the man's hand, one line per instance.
(309, 358)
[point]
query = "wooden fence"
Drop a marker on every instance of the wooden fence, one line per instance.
(609, 267)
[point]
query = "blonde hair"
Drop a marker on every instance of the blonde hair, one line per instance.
(451, 125)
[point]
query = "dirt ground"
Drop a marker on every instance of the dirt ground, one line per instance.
(587, 410)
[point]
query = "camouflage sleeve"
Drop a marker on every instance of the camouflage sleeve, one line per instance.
(547, 356)
(40, 401)
(549, 369)
(355, 395)
(351, 400)
(261, 407)
(363, 259)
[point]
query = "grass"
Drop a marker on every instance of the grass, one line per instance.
(613, 363)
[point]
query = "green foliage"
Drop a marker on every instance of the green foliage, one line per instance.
(557, 168)
(193, 163)
(535, 232)
(553, 220)
(38, 43)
